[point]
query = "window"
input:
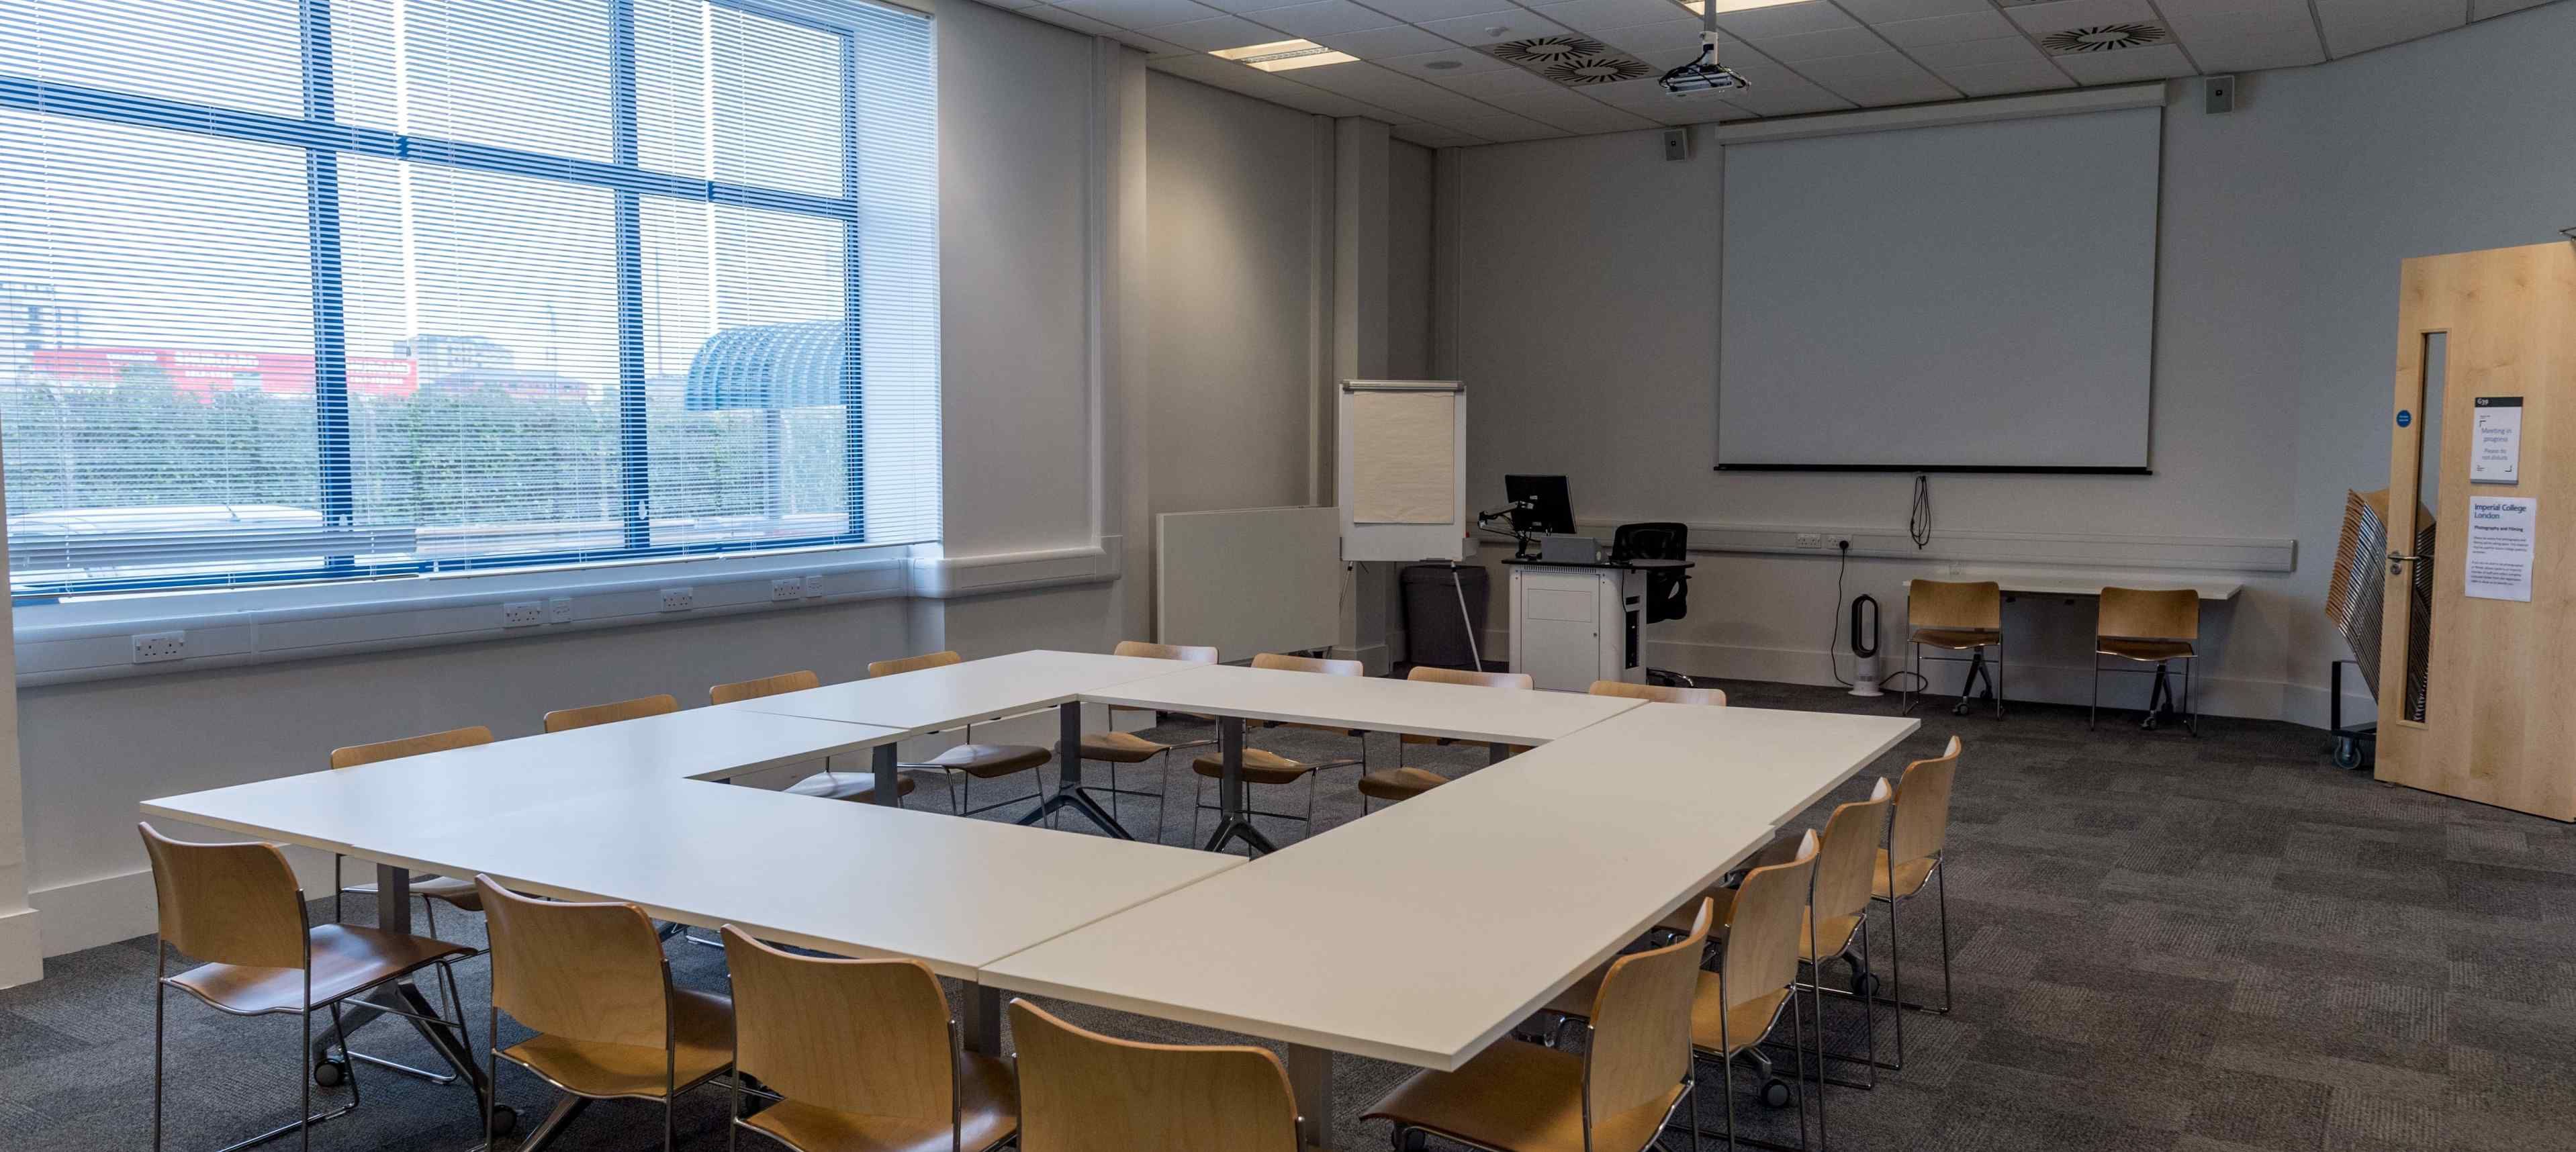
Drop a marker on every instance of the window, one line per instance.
(298, 290)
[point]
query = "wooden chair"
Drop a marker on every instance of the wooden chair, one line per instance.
(455, 893)
(1659, 693)
(968, 762)
(1115, 748)
(567, 719)
(1635, 1072)
(858, 1055)
(1735, 1009)
(1084, 1092)
(1404, 783)
(2149, 626)
(1917, 832)
(1846, 863)
(1957, 617)
(826, 784)
(591, 981)
(1271, 768)
(237, 909)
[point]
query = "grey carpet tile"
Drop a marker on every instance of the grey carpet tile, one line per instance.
(2160, 943)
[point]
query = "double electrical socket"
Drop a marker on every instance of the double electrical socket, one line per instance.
(154, 647)
(1819, 540)
(679, 599)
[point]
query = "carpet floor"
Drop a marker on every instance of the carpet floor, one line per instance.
(2159, 943)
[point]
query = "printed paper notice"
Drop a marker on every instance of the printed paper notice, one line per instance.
(2495, 452)
(2500, 547)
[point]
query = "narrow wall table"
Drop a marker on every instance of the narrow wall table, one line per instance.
(1498, 717)
(977, 691)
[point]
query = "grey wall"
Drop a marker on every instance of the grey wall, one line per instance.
(1585, 318)
(1408, 261)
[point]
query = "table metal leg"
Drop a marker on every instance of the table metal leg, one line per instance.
(1310, 1076)
(889, 785)
(1234, 816)
(1068, 784)
(982, 1022)
(393, 914)
(1496, 753)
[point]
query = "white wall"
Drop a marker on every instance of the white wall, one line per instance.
(1585, 319)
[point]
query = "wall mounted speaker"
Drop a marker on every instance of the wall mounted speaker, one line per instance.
(2218, 94)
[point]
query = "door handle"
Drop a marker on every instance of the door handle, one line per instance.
(2395, 559)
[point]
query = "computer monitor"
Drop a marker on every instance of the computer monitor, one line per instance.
(1547, 508)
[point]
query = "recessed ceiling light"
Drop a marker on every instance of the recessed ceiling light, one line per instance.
(1283, 55)
(1696, 8)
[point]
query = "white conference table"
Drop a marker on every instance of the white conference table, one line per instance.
(974, 692)
(1539, 869)
(1498, 717)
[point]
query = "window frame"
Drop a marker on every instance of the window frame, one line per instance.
(324, 139)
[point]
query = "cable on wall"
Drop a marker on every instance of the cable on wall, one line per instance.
(1833, 618)
(1918, 524)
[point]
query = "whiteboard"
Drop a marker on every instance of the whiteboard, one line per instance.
(1249, 580)
(1401, 466)
(1966, 296)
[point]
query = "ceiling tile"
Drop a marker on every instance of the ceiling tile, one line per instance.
(2361, 25)
(2154, 62)
(1780, 93)
(2041, 19)
(1151, 46)
(1141, 13)
(1416, 11)
(1469, 62)
(1784, 20)
(2247, 53)
(1594, 117)
(1595, 15)
(1661, 36)
(1966, 53)
(1231, 76)
(1239, 7)
(2001, 79)
(1323, 18)
(2486, 9)
(1630, 94)
(1386, 89)
(1514, 24)
(1818, 45)
(1435, 136)
(2185, 10)
(1013, 5)
(1065, 18)
(1490, 86)
(1887, 11)
(1323, 103)
(1213, 33)
(1876, 79)
(1953, 29)
(1539, 104)
(1379, 43)
(1506, 127)
(2215, 26)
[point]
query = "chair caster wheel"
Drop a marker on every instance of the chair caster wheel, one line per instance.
(505, 1119)
(2347, 753)
(1959, 709)
(1865, 986)
(1775, 1093)
(330, 1073)
(1412, 1140)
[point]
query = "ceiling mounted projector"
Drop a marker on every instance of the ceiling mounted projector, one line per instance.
(1704, 74)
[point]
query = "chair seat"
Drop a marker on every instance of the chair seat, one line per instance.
(1745, 1025)
(1680, 920)
(701, 1032)
(2152, 651)
(346, 958)
(1259, 767)
(1957, 639)
(444, 889)
(1399, 783)
(986, 761)
(1518, 1097)
(1120, 747)
(857, 787)
(1909, 876)
(988, 1113)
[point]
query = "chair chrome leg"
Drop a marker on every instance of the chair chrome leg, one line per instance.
(553, 1125)
(1896, 971)
(1941, 895)
(2096, 709)
(160, 1031)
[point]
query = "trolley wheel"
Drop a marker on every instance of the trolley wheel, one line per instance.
(2347, 753)
(505, 1119)
(330, 1073)
(1775, 1093)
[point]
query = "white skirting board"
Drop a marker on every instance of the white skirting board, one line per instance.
(1249, 580)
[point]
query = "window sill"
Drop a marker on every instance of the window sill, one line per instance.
(94, 639)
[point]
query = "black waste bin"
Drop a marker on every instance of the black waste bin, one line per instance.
(1433, 633)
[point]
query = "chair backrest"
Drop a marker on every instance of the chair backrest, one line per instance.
(1641, 1040)
(865, 1036)
(567, 719)
(903, 664)
(1192, 653)
(1977, 605)
(1763, 937)
(764, 686)
(1084, 1092)
(1667, 592)
(1282, 663)
(1849, 851)
(228, 903)
(1922, 820)
(356, 754)
(1465, 676)
(1659, 693)
(2149, 614)
(580, 971)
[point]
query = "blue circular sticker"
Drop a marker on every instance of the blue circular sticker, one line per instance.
(2404, 417)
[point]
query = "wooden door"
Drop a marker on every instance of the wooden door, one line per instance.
(2496, 713)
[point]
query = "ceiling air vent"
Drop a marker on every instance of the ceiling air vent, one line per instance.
(2103, 38)
(1596, 70)
(1545, 49)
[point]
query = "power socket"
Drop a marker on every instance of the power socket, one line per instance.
(154, 647)
(523, 613)
(787, 588)
(1811, 539)
(679, 599)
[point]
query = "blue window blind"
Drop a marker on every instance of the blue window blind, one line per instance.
(355, 289)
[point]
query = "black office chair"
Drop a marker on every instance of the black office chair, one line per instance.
(1667, 591)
